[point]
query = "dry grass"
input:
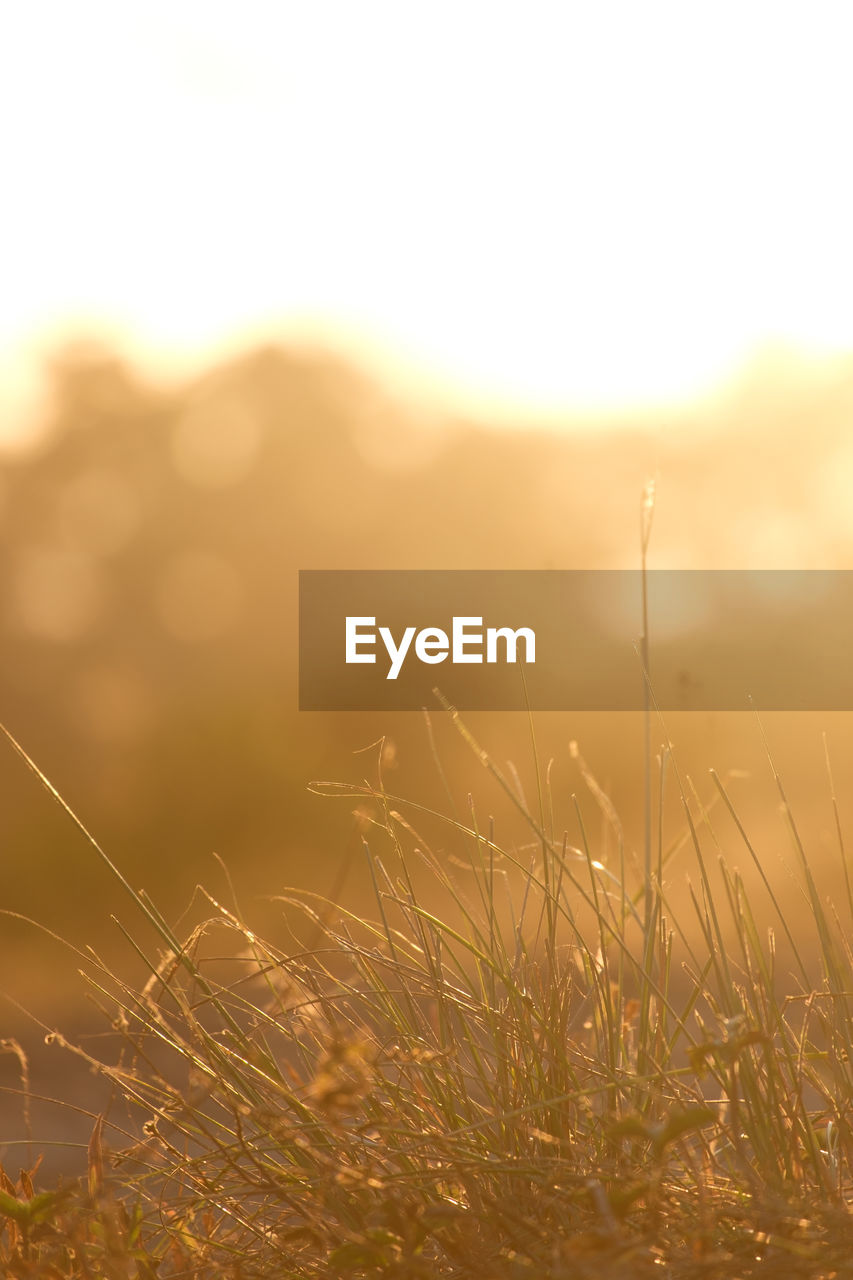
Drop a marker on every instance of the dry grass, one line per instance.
(524, 1066)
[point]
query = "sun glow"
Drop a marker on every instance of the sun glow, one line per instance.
(535, 206)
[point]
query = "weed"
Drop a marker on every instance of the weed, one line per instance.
(523, 1066)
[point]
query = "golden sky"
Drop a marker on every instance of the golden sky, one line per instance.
(546, 204)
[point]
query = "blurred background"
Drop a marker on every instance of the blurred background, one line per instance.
(331, 286)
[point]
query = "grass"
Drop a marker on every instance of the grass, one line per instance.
(525, 1065)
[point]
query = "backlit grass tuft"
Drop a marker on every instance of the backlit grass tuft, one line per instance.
(523, 1064)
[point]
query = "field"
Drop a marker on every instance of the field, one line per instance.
(503, 1002)
(551, 1074)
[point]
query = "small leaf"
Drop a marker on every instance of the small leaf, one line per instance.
(11, 1207)
(38, 1209)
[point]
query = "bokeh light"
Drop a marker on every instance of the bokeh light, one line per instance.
(528, 208)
